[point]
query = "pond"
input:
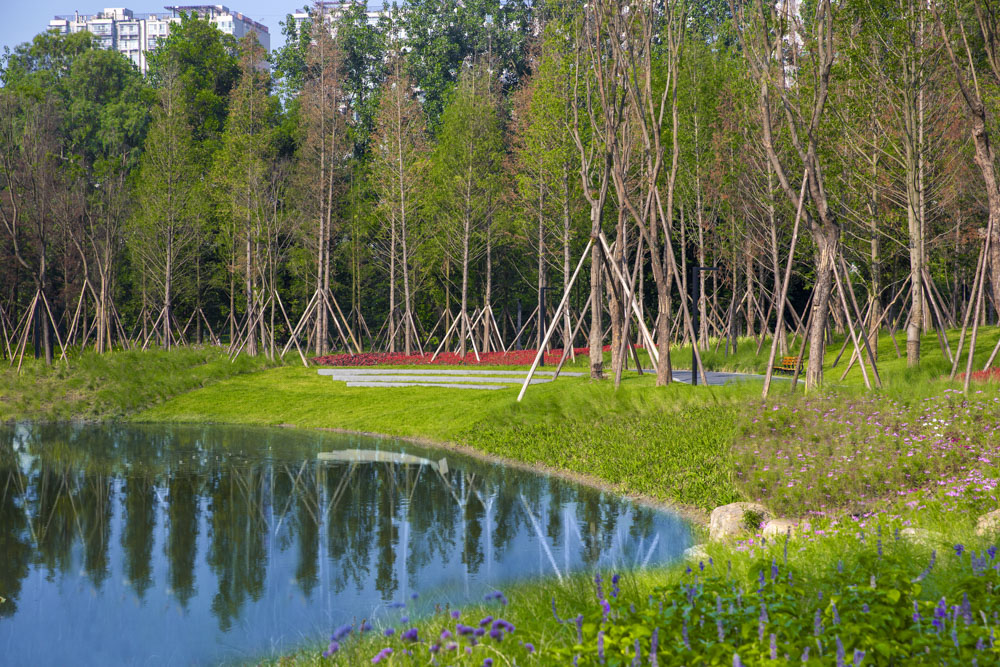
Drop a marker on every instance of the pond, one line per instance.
(123, 544)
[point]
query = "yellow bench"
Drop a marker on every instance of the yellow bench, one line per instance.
(787, 365)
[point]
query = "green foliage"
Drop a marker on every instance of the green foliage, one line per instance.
(206, 63)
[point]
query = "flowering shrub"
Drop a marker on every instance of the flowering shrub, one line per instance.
(875, 611)
(511, 358)
(827, 453)
(455, 642)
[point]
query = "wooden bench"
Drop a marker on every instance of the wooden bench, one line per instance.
(787, 365)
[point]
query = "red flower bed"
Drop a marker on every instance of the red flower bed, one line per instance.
(989, 375)
(512, 358)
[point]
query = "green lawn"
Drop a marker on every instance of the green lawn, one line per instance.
(854, 467)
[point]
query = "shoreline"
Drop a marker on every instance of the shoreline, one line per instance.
(694, 515)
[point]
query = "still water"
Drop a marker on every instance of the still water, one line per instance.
(152, 544)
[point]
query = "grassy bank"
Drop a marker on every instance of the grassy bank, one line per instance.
(885, 487)
(109, 386)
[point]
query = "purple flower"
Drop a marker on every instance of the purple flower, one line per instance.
(558, 620)
(503, 625)
(382, 655)
(464, 630)
(684, 634)
(455, 614)
(404, 619)
(614, 583)
(479, 632)
(654, 645)
(434, 648)
(486, 621)
(818, 624)
(414, 596)
(496, 634)
(636, 658)
(606, 609)
(529, 647)
(410, 635)
(992, 551)
(736, 660)
(365, 626)
(389, 632)
(836, 614)
(579, 628)
(445, 634)
(859, 655)
(600, 646)
(341, 632)
(959, 548)
(774, 646)
(488, 662)
(916, 612)
(840, 652)
(331, 649)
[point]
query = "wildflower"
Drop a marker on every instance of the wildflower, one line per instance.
(389, 632)
(736, 660)
(684, 634)
(836, 614)
(503, 625)
(331, 649)
(818, 624)
(488, 662)
(600, 646)
(382, 655)
(614, 583)
(529, 647)
(606, 609)
(840, 652)
(486, 621)
(434, 648)
(720, 630)
(455, 614)
(635, 658)
(859, 655)
(410, 635)
(341, 632)
(600, 590)
(404, 619)
(464, 630)
(959, 548)
(762, 622)
(496, 634)
(774, 646)
(556, 615)
(805, 655)
(445, 634)
(916, 613)
(579, 628)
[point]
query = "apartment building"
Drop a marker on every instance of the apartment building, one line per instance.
(135, 34)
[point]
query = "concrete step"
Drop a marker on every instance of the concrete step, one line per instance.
(445, 385)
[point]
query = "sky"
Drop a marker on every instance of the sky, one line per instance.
(20, 20)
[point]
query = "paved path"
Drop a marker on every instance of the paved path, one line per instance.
(481, 379)
(717, 378)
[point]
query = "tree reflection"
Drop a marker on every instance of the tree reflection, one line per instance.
(66, 490)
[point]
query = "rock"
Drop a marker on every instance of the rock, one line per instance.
(777, 528)
(731, 520)
(988, 524)
(921, 536)
(697, 552)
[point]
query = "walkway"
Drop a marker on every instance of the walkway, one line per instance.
(481, 379)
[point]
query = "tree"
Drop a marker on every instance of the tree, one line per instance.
(240, 175)
(466, 171)
(163, 233)
(399, 160)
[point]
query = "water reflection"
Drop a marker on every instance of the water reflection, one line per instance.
(122, 544)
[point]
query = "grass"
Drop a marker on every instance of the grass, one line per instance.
(109, 386)
(853, 466)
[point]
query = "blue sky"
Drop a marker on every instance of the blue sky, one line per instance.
(20, 20)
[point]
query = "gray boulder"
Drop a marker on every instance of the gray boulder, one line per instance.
(731, 520)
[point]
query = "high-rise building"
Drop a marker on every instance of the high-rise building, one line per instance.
(135, 34)
(334, 9)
